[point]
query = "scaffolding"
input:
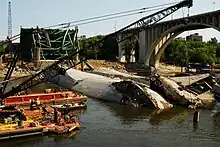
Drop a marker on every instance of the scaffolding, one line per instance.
(47, 44)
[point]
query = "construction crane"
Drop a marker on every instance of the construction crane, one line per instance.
(10, 39)
(9, 20)
(66, 62)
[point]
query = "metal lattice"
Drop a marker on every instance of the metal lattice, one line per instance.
(67, 61)
(54, 43)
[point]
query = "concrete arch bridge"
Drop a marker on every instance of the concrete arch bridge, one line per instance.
(154, 40)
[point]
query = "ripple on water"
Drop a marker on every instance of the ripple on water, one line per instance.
(108, 124)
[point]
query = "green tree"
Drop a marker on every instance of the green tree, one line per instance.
(109, 51)
(180, 52)
(91, 46)
(177, 52)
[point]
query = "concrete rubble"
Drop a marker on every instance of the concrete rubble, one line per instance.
(198, 94)
(176, 94)
(158, 91)
(110, 89)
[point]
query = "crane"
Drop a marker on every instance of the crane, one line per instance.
(9, 20)
(66, 62)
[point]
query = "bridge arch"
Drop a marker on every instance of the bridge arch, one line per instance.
(162, 41)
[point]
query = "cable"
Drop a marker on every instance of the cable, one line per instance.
(62, 24)
(68, 59)
(141, 12)
(18, 35)
(112, 14)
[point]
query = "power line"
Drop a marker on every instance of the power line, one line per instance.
(147, 9)
(112, 14)
(83, 23)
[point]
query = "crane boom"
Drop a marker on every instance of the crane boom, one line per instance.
(66, 62)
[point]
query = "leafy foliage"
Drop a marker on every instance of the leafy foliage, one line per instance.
(106, 50)
(91, 46)
(2, 49)
(181, 52)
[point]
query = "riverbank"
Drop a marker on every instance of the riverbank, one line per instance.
(130, 68)
(133, 68)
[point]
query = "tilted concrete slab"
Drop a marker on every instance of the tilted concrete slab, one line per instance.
(188, 80)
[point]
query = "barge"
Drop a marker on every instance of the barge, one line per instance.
(21, 132)
(45, 98)
(16, 123)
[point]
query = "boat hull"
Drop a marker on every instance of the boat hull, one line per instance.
(58, 97)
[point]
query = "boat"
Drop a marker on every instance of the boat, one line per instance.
(63, 129)
(17, 122)
(21, 132)
(56, 123)
(14, 123)
(46, 97)
(71, 106)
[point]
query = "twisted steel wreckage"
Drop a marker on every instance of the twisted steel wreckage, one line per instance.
(162, 93)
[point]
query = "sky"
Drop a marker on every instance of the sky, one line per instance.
(30, 13)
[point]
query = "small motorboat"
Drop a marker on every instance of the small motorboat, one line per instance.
(71, 106)
(62, 129)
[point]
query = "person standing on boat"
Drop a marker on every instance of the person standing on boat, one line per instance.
(38, 102)
(55, 115)
(67, 118)
(31, 104)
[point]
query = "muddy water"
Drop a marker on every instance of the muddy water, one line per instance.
(107, 125)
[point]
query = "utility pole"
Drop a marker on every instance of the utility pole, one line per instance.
(214, 5)
(9, 20)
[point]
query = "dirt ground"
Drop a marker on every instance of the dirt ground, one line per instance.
(163, 68)
(169, 70)
(107, 64)
(122, 67)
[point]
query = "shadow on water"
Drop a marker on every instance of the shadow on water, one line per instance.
(129, 114)
(37, 140)
(175, 114)
(22, 142)
(216, 121)
(64, 137)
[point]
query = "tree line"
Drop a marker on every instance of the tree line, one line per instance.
(181, 52)
(107, 49)
(178, 52)
(94, 49)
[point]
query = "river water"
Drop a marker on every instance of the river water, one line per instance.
(108, 124)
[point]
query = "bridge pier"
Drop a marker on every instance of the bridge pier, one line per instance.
(121, 51)
(142, 46)
(154, 40)
(145, 42)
